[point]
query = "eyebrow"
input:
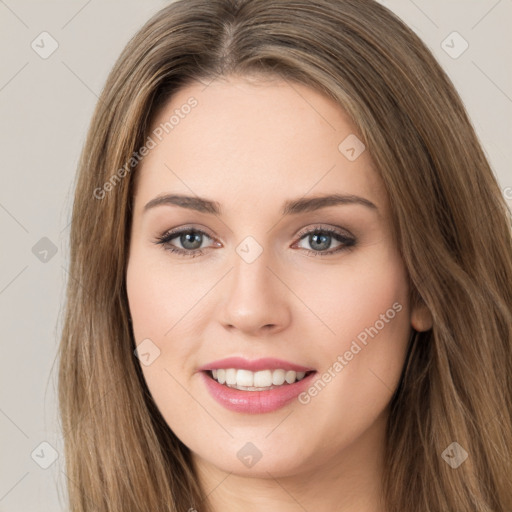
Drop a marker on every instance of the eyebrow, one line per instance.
(291, 207)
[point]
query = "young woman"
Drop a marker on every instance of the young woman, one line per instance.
(291, 274)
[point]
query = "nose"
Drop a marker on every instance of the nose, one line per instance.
(256, 299)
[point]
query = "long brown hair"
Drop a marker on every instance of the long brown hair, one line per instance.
(452, 224)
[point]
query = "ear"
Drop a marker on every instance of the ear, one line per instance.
(421, 317)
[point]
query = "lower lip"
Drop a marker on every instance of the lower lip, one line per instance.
(255, 402)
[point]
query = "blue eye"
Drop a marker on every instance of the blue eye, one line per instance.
(191, 241)
(319, 238)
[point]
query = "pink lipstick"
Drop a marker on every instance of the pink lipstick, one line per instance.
(255, 387)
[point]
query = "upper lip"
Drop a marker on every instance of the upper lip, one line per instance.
(266, 363)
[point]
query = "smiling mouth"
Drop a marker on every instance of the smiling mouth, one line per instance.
(263, 380)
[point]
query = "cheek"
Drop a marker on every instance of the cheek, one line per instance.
(354, 297)
(165, 302)
(159, 294)
(155, 306)
(376, 298)
(160, 302)
(363, 360)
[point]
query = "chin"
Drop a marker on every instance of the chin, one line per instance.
(258, 459)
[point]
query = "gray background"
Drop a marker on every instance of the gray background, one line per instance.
(45, 108)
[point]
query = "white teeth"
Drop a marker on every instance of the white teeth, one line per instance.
(263, 379)
(256, 381)
(290, 376)
(244, 378)
(231, 376)
(278, 377)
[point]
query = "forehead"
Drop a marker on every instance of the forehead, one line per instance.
(241, 139)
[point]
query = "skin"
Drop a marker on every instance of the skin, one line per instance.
(251, 144)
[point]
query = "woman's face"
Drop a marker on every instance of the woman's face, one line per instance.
(285, 260)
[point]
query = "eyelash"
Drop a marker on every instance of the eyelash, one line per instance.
(166, 238)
